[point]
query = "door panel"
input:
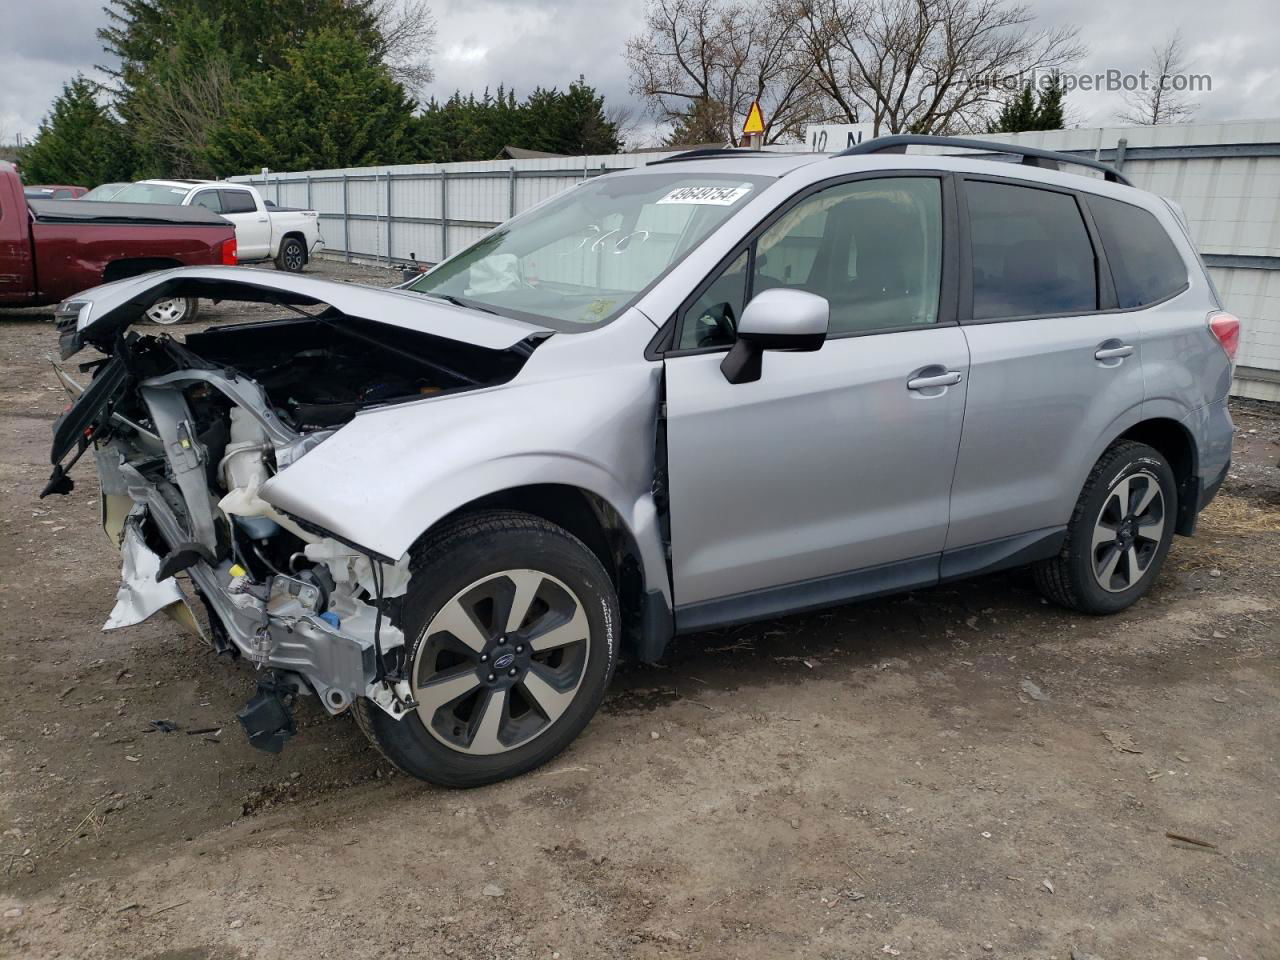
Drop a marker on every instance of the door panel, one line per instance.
(1045, 392)
(827, 464)
(253, 226)
(1039, 405)
(17, 272)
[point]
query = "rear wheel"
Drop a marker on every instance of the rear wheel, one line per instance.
(173, 311)
(510, 622)
(1119, 534)
(292, 255)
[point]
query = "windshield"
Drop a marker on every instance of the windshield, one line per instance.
(584, 257)
(151, 193)
(105, 192)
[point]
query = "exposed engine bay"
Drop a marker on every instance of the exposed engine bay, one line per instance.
(186, 434)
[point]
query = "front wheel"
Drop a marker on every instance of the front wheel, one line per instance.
(1119, 534)
(510, 624)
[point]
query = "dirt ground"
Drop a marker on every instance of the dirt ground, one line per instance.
(961, 772)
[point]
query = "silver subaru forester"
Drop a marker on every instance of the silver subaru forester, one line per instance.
(717, 388)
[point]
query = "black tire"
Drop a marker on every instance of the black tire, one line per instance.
(450, 561)
(292, 255)
(1072, 579)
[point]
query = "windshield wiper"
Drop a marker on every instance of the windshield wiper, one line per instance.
(459, 302)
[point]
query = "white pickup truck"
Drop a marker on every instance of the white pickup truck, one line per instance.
(283, 234)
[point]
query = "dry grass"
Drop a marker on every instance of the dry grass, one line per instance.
(1224, 527)
(1238, 516)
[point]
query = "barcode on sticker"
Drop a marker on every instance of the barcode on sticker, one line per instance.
(717, 196)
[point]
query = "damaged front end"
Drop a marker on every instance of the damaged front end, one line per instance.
(185, 435)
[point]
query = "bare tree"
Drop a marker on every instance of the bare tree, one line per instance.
(624, 118)
(925, 66)
(1157, 100)
(179, 115)
(408, 30)
(707, 60)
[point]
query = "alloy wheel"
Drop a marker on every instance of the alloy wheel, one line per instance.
(293, 259)
(501, 662)
(1128, 532)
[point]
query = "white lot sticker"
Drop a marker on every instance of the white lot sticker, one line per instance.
(716, 196)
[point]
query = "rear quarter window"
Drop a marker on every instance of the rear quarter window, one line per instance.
(1145, 265)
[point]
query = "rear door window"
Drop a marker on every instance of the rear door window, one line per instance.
(1031, 253)
(209, 200)
(1145, 264)
(237, 201)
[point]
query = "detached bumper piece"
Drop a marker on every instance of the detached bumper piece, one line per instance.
(267, 717)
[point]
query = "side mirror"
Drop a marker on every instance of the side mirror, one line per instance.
(778, 319)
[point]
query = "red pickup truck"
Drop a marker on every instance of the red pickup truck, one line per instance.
(51, 249)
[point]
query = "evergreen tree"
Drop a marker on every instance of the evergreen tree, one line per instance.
(331, 105)
(471, 128)
(260, 34)
(572, 123)
(467, 128)
(175, 105)
(704, 122)
(1028, 110)
(1018, 113)
(182, 63)
(79, 142)
(1049, 110)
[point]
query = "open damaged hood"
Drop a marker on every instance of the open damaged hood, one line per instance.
(97, 315)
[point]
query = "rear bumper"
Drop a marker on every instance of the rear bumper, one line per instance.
(1211, 428)
(1209, 489)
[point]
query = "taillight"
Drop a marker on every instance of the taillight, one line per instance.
(229, 253)
(1226, 327)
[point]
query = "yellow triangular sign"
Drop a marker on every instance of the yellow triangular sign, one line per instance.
(755, 120)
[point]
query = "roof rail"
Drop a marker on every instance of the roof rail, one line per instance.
(1031, 156)
(711, 153)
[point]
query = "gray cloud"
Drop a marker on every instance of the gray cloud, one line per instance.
(523, 44)
(1231, 40)
(42, 46)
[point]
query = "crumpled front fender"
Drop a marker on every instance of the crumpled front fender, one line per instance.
(385, 478)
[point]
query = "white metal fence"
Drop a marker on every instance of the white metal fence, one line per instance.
(427, 211)
(1226, 176)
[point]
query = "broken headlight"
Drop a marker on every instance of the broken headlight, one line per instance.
(70, 316)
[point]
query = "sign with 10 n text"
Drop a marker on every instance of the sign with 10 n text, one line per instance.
(834, 137)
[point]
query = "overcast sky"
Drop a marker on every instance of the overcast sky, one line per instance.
(523, 43)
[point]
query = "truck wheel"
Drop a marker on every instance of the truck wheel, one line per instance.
(292, 255)
(1119, 534)
(178, 310)
(510, 624)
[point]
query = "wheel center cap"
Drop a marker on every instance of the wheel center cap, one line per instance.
(504, 661)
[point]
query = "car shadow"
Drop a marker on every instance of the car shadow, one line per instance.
(862, 634)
